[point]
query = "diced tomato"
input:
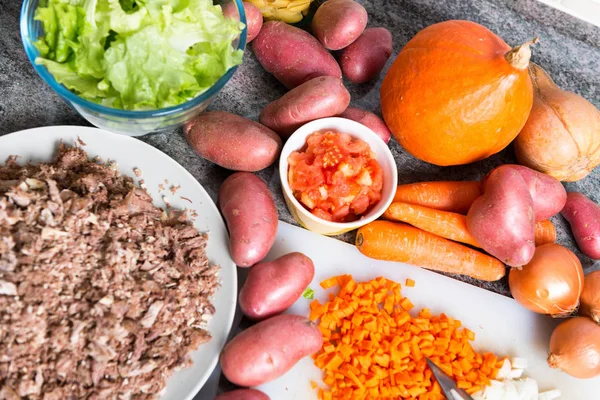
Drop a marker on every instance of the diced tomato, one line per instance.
(341, 213)
(336, 177)
(319, 212)
(361, 203)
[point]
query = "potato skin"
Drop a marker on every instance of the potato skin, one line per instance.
(338, 23)
(224, 139)
(243, 394)
(251, 216)
(254, 18)
(548, 194)
(321, 97)
(584, 217)
(272, 287)
(269, 349)
(502, 219)
(370, 120)
(292, 55)
(364, 59)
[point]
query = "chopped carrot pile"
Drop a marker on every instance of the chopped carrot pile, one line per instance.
(374, 349)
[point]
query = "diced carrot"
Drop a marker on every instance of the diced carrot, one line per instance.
(374, 349)
(329, 283)
(409, 282)
(406, 304)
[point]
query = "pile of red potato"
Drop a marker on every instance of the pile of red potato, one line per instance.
(502, 219)
(303, 64)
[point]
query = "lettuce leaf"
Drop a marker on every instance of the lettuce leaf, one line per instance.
(309, 294)
(136, 54)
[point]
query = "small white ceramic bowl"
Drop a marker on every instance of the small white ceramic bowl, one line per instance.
(383, 155)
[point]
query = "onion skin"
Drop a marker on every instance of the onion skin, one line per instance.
(561, 137)
(551, 283)
(590, 298)
(575, 348)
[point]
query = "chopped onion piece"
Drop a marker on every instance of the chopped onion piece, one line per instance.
(516, 373)
(527, 388)
(550, 395)
(519, 363)
(508, 386)
(510, 391)
(504, 371)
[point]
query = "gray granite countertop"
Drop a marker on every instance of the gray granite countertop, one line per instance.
(569, 50)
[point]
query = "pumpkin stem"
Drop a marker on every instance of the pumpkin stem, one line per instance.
(519, 56)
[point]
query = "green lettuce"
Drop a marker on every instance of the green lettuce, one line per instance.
(309, 294)
(136, 54)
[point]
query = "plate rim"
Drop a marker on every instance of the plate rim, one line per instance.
(73, 130)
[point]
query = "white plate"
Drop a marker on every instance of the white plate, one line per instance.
(40, 145)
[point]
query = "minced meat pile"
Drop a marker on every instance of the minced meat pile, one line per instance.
(102, 295)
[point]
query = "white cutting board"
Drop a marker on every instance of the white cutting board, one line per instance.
(500, 324)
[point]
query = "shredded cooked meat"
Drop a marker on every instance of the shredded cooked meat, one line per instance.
(102, 295)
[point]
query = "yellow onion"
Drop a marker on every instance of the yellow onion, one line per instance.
(590, 297)
(551, 283)
(575, 348)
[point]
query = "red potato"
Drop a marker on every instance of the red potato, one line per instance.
(364, 59)
(584, 217)
(251, 216)
(254, 18)
(370, 120)
(502, 219)
(243, 394)
(548, 194)
(338, 23)
(321, 97)
(269, 349)
(224, 139)
(272, 287)
(292, 55)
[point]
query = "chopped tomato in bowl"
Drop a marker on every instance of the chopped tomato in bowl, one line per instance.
(335, 176)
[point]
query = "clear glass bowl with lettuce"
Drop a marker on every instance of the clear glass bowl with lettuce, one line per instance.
(134, 66)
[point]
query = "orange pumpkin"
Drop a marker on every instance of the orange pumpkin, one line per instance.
(457, 93)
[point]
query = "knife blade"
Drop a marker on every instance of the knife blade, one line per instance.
(447, 384)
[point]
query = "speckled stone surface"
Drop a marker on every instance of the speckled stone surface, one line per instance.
(569, 50)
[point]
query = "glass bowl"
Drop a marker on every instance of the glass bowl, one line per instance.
(132, 123)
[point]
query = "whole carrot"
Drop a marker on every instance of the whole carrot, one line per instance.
(545, 232)
(453, 226)
(454, 196)
(446, 224)
(392, 241)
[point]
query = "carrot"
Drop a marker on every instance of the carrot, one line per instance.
(374, 349)
(454, 196)
(451, 225)
(391, 241)
(545, 232)
(446, 224)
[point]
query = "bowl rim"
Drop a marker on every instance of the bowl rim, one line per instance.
(351, 128)
(75, 100)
